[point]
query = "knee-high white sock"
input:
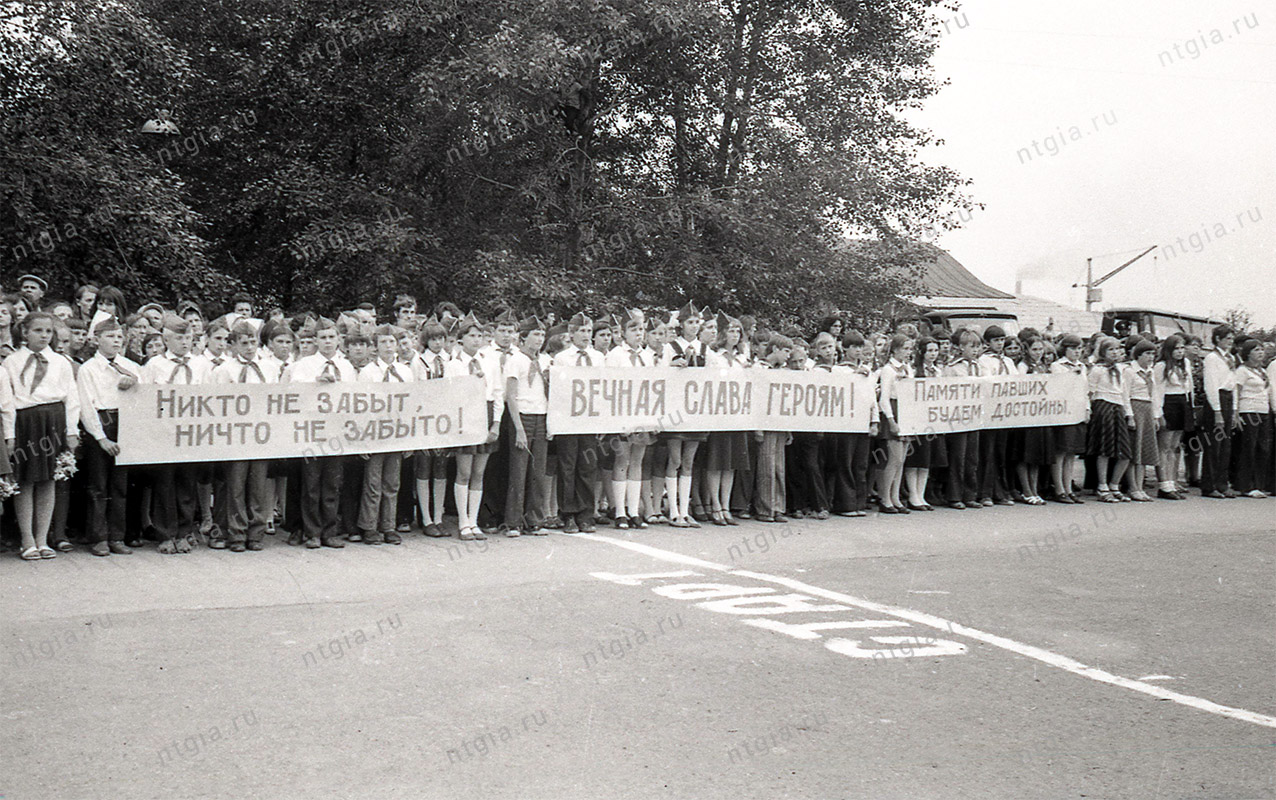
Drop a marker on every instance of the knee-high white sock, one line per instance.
(684, 495)
(461, 492)
(633, 498)
(476, 501)
(440, 499)
(617, 488)
(423, 500)
(671, 495)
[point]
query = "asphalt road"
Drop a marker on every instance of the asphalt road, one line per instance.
(1017, 653)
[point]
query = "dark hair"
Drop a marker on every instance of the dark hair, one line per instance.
(852, 338)
(241, 297)
(445, 306)
(826, 324)
(1166, 355)
(919, 355)
(896, 342)
(1027, 356)
(1221, 332)
(150, 337)
(114, 296)
(1248, 347)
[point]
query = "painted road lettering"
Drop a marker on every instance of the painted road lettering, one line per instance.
(762, 603)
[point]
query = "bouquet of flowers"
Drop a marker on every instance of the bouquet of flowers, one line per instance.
(64, 467)
(8, 487)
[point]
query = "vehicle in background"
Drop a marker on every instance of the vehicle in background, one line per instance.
(1122, 322)
(948, 320)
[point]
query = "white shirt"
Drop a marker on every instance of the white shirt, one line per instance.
(8, 412)
(1104, 385)
(428, 365)
(992, 364)
(1142, 385)
(57, 385)
(623, 355)
(1063, 365)
(274, 367)
(1220, 376)
(236, 371)
(892, 371)
(308, 369)
(99, 386)
(377, 371)
(164, 368)
(209, 361)
(725, 359)
(681, 348)
(530, 387)
(571, 356)
(1254, 391)
(963, 368)
(465, 364)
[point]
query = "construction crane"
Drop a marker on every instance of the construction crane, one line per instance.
(1092, 293)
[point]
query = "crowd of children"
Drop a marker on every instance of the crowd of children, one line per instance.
(1199, 413)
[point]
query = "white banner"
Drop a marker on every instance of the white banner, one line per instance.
(692, 399)
(953, 405)
(241, 422)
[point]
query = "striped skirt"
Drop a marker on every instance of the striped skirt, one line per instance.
(1108, 433)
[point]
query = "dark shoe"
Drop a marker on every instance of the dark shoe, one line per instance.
(743, 515)
(569, 526)
(295, 538)
(356, 538)
(902, 510)
(312, 543)
(913, 507)
(138, 542)
(255, 546)
(403, 527)
(435, 531)
(1168, 495)
(238, 547)
(586, 527)
(217, 544)
(1230, 493)
(333, 542)
(638, 523)
(822, 514)
(62, 546)
(888, 509)
(1076, 501)
(101, 549)
(763, 518)
(927, 507)
(781, 518)
(958, 505)
(373, 538)
(119, 548)
(1005, 501)
(393, 537)
(1216, 494)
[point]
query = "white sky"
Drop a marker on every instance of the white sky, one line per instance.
(1184, 146)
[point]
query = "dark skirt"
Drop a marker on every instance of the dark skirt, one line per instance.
(1178, 414)
(486, 447)
(1108, 433)
(1072, 440)
(39, 436)
(728, 450)
(1037, 446)
(6, 463)
(1145, 451)
(926, 452)
(883, 426)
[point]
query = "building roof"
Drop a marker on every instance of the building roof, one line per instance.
(944, 276)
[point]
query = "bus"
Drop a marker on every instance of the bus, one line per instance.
(951, 319)
(1122, 322)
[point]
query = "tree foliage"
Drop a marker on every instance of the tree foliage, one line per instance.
(550, 153)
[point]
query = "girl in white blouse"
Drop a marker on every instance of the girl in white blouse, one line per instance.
(891, 478)
(1172, 382)
(1253, 405)
(47, 402)
(1111, 419)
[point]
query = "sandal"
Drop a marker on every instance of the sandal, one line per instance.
(679, 522)
(31, 554)
(64, 546)
(719, 519)
(48, 552)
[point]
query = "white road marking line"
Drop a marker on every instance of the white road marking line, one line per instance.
(1158, 678)
(927, 591)
(929, 620)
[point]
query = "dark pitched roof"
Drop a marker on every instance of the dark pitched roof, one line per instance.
(944, 276)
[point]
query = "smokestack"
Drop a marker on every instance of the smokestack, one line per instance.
(1018, 286)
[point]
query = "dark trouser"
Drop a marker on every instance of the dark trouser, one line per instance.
(1218, 446)
(351, 493)
(838, 483)
(528, 488)
(321, 496)
(858, 447)
(377, 508)
(405, 507)
(577, 466)
(810, 490)
(496, 477)
(1254, 453)
(742, 489)
(249, 500)
(175, 500)
(108, 485)
(992, 464)
(768, 495)
(963, 466)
